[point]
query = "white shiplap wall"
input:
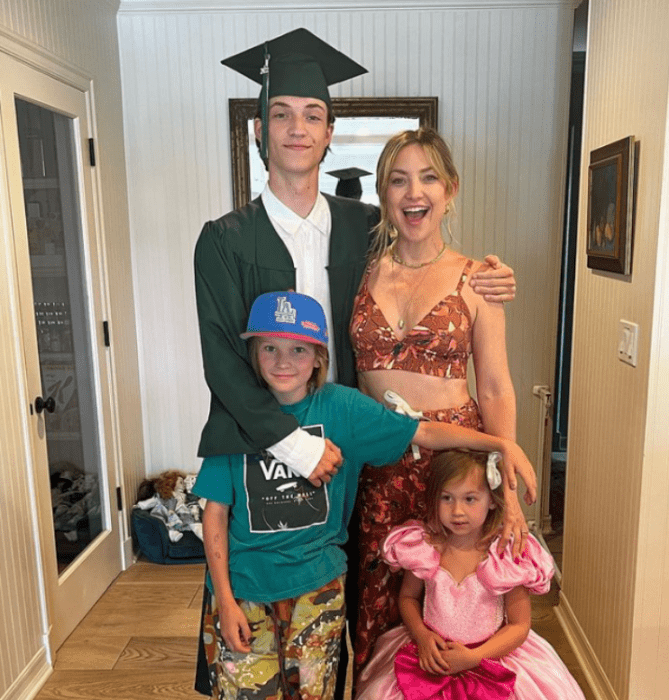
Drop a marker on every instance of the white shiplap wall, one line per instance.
(501, 73)
(78, 36)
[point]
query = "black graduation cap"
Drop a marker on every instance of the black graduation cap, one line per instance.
(296, 64)
(349, 184)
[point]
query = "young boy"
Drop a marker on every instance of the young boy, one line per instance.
(275, 610)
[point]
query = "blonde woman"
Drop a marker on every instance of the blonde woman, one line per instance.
(416, 321)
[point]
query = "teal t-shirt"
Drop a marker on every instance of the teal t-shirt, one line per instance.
(284, 533)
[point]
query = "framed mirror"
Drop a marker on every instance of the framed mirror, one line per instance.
(362, 127)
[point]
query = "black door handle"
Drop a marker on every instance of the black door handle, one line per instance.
(41, 405)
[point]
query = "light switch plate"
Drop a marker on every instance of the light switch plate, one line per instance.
(628, 342)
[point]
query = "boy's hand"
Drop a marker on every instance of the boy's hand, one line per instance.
(235, 628)
(459, 657)
(430, 650)
(328, 465)
(494, 281)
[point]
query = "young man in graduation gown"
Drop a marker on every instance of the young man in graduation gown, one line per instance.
(291, 237)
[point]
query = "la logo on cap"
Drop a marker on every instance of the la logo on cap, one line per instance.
(284, 313)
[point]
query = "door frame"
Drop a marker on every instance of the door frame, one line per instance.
(45, 71)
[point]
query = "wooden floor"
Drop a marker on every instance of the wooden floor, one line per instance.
(140, 640)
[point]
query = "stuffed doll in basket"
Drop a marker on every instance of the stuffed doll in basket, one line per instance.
(168, 498)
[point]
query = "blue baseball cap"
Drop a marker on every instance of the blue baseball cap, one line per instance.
(287, 315)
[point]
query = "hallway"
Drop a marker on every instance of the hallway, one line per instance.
(140, 639)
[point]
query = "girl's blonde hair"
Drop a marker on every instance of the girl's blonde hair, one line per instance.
(318, 376)
(440, 158)
(452, 467)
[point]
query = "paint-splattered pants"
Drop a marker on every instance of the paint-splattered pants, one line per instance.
(294, 648)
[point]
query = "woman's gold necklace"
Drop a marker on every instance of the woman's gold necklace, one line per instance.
(396, 259)
(414, 266)
(400, 320)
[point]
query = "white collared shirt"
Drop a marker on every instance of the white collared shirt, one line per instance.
(308, 242)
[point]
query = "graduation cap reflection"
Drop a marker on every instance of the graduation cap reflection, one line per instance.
(296, 64)
(349, 184)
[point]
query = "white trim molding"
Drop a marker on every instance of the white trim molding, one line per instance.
(213, 6)
(42, 60)
(31, 680)
(585, 654)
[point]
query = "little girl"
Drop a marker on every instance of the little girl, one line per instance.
(472, 638)
(274, 602)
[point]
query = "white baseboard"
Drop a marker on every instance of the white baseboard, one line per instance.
(31, 679)
(587, 659)
(128, 554)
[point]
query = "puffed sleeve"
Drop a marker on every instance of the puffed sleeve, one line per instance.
(405, 547)
(534, 569)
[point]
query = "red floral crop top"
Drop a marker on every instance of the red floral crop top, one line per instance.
(438, 345)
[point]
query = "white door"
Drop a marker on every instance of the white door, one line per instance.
(46, 131)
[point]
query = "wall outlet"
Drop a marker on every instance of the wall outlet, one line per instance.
(628, 342)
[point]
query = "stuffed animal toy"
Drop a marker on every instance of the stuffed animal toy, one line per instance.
(165, 484)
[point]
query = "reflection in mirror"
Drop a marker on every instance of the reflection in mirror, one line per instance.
(357, 143)
(362, 127)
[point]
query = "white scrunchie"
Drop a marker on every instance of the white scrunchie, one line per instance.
(402, 407)
(492, 472)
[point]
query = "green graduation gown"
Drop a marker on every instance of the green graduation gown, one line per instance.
(238, 257)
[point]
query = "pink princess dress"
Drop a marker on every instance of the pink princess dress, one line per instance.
(469, 612)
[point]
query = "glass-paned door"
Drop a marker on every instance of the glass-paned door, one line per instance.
(61, 321)
(45, 128)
